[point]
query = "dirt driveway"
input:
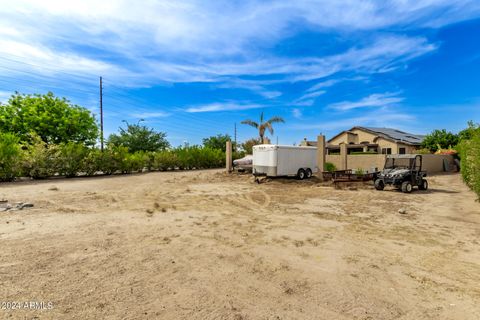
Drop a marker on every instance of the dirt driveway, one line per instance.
(201, 245)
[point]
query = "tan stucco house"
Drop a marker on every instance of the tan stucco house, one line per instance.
(374, 140)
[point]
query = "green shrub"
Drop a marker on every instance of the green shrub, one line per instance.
(113, 159)
(40, 160)
(164, 160)
(10, 157)
(92, 163)
(423, 151)
(330, 167)
(356, 153)
(133, 162)
(70, 157)
(470, 162)
(238, 155)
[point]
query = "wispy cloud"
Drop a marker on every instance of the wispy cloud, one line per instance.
(332, 82)
(382, 118)
(227, 106)
(258, 86)
(373, 100)
(150, 115)
(205, 41)
(308, 99)
(4, 96)
(297, 113)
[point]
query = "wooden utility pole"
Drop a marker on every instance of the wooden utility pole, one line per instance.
(228, 156)
(101, 114)
(235, 145)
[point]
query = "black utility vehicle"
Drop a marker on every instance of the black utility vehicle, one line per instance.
(403, 171)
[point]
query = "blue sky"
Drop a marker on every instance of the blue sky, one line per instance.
(195, 68)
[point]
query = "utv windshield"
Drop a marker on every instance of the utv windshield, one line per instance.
(394, 163)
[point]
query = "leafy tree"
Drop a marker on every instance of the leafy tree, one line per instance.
(470, 161)
(139, 138)
(468, 133)
(55, 120)
(263, 125)
(217, 142)
(439, 139)
(10, 156)
(247, 146)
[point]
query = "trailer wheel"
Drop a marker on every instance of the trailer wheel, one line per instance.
(406, 187)
(309, 173)
(379, 185)
(301, 174)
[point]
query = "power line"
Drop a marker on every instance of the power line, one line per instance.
(183, 115)
(47, 67)
(34, 81)
(101, 114)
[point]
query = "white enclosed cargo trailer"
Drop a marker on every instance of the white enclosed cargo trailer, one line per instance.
(277, 160)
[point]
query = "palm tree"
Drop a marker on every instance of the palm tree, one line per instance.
(263, 125)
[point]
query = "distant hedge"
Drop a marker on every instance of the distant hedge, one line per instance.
(469, 151)
(39, 161)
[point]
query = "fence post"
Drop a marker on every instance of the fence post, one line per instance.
(228, 156)
(321, 157)
(344, 156)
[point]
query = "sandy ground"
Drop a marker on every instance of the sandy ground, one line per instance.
(203, 245)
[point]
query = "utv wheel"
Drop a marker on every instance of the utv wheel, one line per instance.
(379, 185)
(423, 185)
(301, 174)
(406, 187)
(309, 173)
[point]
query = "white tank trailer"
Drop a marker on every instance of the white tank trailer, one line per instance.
(279, 160)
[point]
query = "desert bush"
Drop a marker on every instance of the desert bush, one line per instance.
(359, 172)
(164, 160)
(40, 160)
(330, 167)
(423, 151)
(356, 153)
(133, 162)
(470, 162)
(113, 159)
(238, 155)
(92, 163)
(10, 156)
(70, 158)
(184, 157)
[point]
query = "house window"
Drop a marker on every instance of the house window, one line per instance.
(401, 150)
(354, 150)
(386, 150)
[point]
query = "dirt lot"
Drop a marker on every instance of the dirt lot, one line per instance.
(203, 245)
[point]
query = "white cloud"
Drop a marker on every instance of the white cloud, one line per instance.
(332, 82)
(373, 100)
(297, 113)
(4, 96)
(257, 86)
(228, 106)
(196, 40)
(381, 118)
(150, 115)
(308, 99)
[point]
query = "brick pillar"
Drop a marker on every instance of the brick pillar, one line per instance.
(321, 155)
(228, 157)
(344, 156)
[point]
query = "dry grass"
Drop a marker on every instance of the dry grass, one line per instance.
(224, 247)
